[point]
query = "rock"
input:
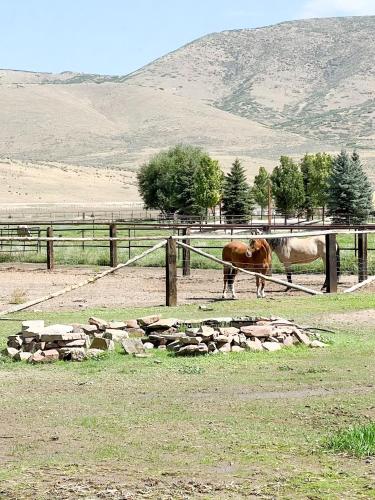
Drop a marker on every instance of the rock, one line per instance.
(258, 331)
(22, 356)
(11, 352)
(73, 353)
(116, 325)
(37, 357)
(288, 341)
(132, 323)
(224, 339)
(271, 346)
(136, 332)
(48, 356)
(192, 350)
(102, 344)
(141, 355)
(89, 329)
(163, 338)
(317, 343)
(236, 340)
(228, 330)
(190, 340)
(36, 324)
(211, 347)
(254, 345)
(225, 347)
(94, 353)
(221, 321)
(73, 343)
(192, 332)
(58, 330)
(302, 337)
(101, 324)
(206, 332)
(236, 348)
(162, 347)
(148, 345)
(15, 341)
(54, 337)
(174, 346)
(147, 320)
(242, 340)
(133, 346)
(163, 324)
(115, 335)
(203, 307)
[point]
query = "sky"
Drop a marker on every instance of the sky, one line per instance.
(116, 37)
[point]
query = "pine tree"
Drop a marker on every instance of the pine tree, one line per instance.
(237, 198)
(260, 188)
(350, 193)
(287, 187)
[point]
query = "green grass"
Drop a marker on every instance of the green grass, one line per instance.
(358, 441)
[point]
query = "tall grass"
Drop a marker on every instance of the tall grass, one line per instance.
(358, 441)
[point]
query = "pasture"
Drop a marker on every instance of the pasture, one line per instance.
(232, 426)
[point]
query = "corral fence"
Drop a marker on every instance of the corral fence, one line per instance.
(184, 242)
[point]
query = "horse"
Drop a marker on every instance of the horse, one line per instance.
(255, 257)
(301, 251)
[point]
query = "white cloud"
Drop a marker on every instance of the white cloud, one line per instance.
(326, 8)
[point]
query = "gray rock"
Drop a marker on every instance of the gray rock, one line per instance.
(36, 324)
(206, 332)
(211, 347)
(302, 337)
(192, 350)
(54, 337)
(254, 345)
(102, 344)
(132, 323)
(22, 356)
(11, 352)
(236, 348)
(225, 347)
(116, 325)
(133, 346)
(15, 341)
(174, 346)
(258, 331)
(73, 343)
(100, 323)
(115, 335)
(271, 346)
(94, 353)
(148, 320)
(89, 329)
(228, 330)
(148, 345)
(224, 339)
(163, 324)
(73, 353)
(289, 341)
(190, 340)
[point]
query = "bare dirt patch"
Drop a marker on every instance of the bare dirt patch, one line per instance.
(132, 287)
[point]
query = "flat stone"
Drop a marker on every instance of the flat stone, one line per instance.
(102, 344)
(163, 324)
(174, 346)
(317, 344)
(220, 321)
(133, 346)
(58, 330)
(35, 324)
(116, 325)
(136, 332)
(94, 353)
(237, 348)
(228, 330)
(254, 345)
(206, 332)
(167, 337)
(191, 340)
(73, 353)
(224, 339)
(100, 323)
(192, 350)
(192, 332)
(89, 328)
(302, 337)
(289, 341)
(11, 352)
(148, 345)
(148, 320)
(272, 346)
(258, 331)
(22, 356)
(15, 341)
(73, 343)
(115, 335)
(225, 347)
(132, 323)
(53, 337)
(45, 356)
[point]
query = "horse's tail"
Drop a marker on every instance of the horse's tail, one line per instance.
(338, 259)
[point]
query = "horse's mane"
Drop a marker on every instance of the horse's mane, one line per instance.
(277, 242)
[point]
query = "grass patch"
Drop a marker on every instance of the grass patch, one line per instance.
(358, 441)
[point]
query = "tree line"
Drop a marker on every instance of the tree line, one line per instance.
(187, 181)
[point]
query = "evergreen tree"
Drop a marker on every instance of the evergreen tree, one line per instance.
(350, 193)
(237, 197)
(316, 170)
(260, 188)
(287, 187)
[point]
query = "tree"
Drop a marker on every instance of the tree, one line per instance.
(237, 197)
(166, 182)
(316, 170)
(207, 183)
(350, 193)
(260, 188)
(287, 187)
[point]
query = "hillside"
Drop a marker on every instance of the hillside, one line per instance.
(286, 89)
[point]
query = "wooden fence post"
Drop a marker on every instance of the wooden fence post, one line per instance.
(50, 250)
(113, 245)
(171, 273)
(186, 254)
(331, 263)
(362, 257)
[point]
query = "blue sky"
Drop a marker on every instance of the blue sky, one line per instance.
(117, 37)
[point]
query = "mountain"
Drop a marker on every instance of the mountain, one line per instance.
(296, 87)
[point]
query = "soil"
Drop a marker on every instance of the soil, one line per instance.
(132, 287)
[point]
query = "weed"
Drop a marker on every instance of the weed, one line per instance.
(18, 296)
(358, 441)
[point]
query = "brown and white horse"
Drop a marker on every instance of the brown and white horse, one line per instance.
(255, 257)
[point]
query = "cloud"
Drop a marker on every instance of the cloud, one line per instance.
(326, 8)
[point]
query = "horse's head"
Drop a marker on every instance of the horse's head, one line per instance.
(254, 246)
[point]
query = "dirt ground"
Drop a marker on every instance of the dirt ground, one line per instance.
(130, 287)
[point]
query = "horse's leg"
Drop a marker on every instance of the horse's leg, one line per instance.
(226, 279)
(324, 287)
(231, 283)
(288, 276)
(257, 280)
(262, 292)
